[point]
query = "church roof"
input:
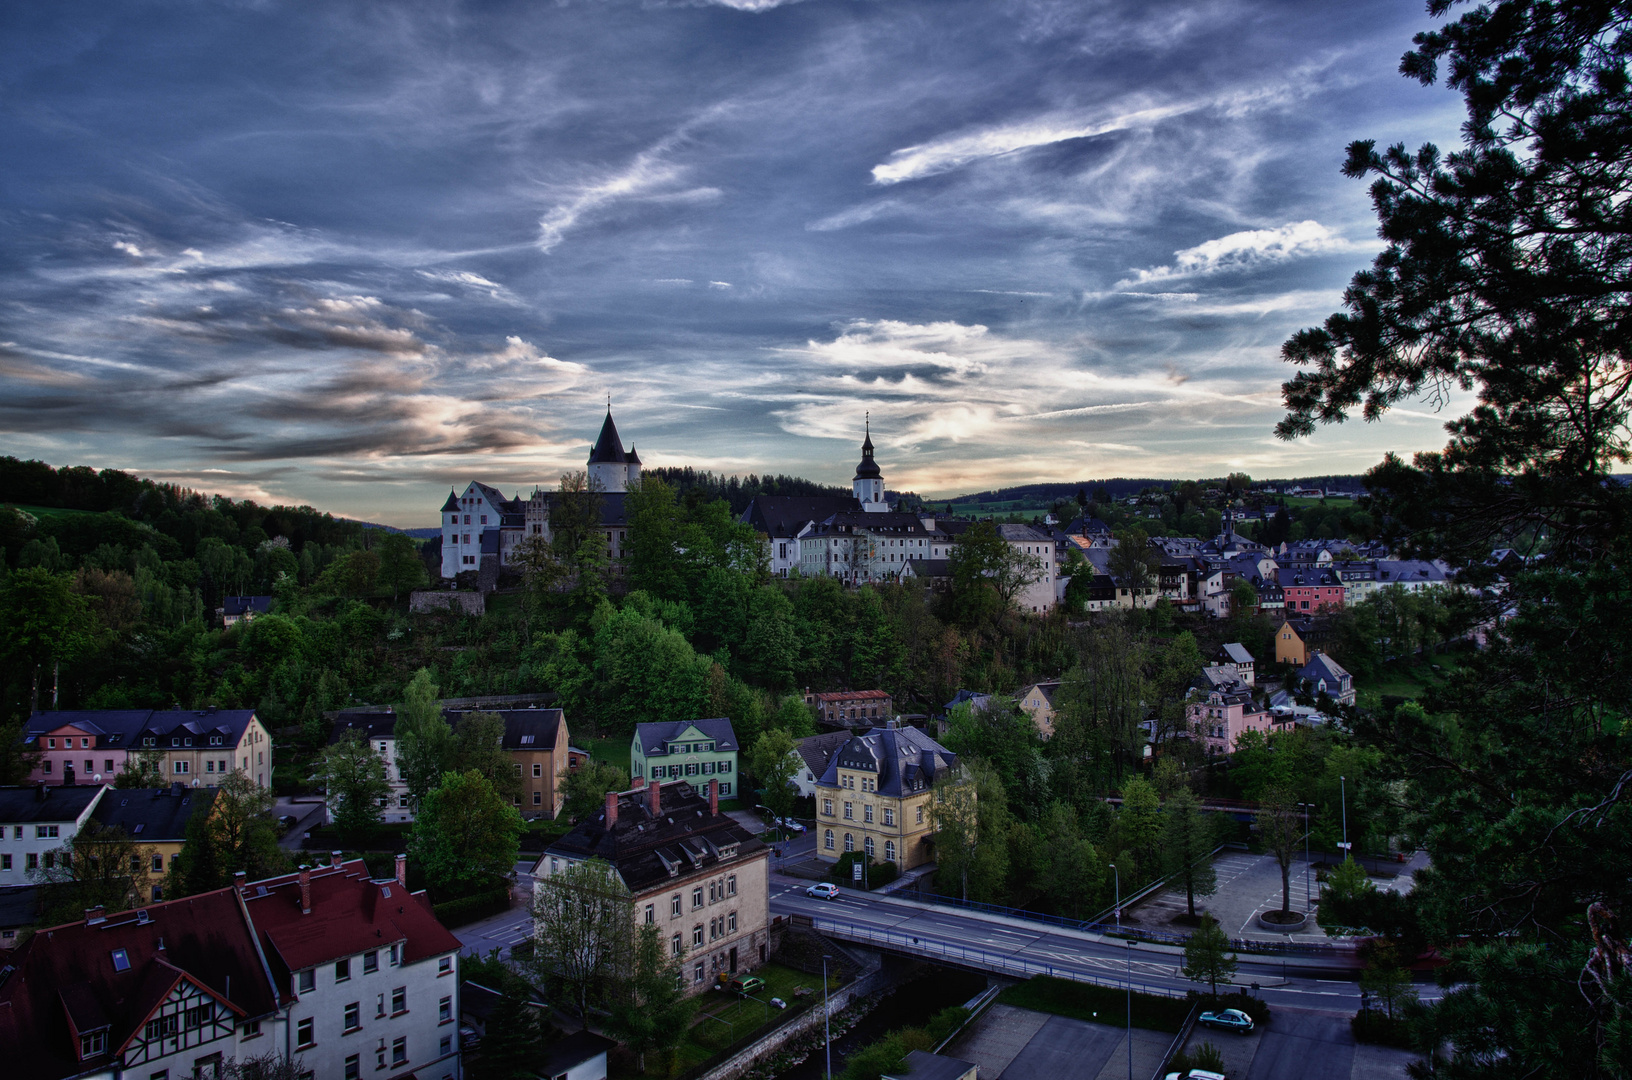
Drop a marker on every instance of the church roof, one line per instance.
(452, 504)
(608, 447)
(868, 469)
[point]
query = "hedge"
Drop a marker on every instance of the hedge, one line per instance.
(468, 909)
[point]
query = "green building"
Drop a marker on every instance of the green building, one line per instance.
(692, 750)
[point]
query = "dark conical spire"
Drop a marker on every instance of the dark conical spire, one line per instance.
(452, 504)
(608, 447)
(868, 469)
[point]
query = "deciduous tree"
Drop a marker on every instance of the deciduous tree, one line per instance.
(649, 1011)
(1207, 955)
(353, 775)
(584, 789)
(1187, 847)
(581, 925)
(425, 745)
(775, 764)
(465, 835)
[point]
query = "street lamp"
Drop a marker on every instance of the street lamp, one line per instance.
(1130, 1009)
(1118, 874)
(1306, 807)
(1343, 791)
(827, 1018)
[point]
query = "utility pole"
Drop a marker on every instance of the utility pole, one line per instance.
(1130, 1009)
(1343, 790)
(827, 1018)
(1118, 874)
(1306, 894)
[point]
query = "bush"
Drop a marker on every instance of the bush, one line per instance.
(945, 1022)
(1375, 1026)
(877, 874)
(1207, 1056)
(470, 908)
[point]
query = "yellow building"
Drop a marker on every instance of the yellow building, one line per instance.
(155, 819)
(875, 796)
(1037, 701)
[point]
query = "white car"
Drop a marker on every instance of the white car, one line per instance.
(825, 891)
(791, 825)
(1196, 1074)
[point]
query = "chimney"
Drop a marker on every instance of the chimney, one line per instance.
(402, 869)
(305, 889)
(611, 809)
(93, 915)
(239, 880)
(713, 798)
(334, 858)
(654, 797)
(639, 782)
(176, 788)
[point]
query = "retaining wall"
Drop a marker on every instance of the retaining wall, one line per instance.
(738, 1063)
(471, 603)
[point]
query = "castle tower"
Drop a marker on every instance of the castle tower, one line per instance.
(634, 465)
(609, 468)
(869, 479)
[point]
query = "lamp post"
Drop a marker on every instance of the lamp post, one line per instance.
(1306, 807)
(1118, 875)
(827, 1018)
(1343, 791)
(1130, 1009)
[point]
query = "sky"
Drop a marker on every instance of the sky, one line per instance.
(353, 254)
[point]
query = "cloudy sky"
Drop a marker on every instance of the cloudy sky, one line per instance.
(354, 253)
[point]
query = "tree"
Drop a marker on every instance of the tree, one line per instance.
(143, 769)
(1187, 847)
(954, 814)
(465, 836)
(353, 574)
(581, 925)
(101, 865)
(1243, 597)
(1207, 955)
(353, 776)
(401, 568)
(236, 831)
(1506, 273)
(988, 572)
(584, 789)
(775, 764)
(649, 1010)
(1134, 564)
(794, 717)
(478, 744)
(425, 746)
(1280, 827)
(46, 623)
(1384, 976)
(1098, 711)
(1139, 823)
(654, 535)
(515, 1038)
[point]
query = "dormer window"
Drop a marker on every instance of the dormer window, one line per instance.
(174, 741)
(93, 1043)
(148, 741)
(215, 740)
(188, 741)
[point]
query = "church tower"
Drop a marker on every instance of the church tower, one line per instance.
(609, 467)
(869, 480)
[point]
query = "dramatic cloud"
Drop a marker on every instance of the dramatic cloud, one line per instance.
(1037, 239)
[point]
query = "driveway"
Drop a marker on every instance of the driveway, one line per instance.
(307, 815)
(1302, 1045)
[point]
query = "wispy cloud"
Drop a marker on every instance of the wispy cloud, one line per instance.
(1245, 250)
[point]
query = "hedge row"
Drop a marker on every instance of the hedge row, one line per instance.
(468, 909)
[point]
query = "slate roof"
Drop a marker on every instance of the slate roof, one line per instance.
(654, 738)
(452, 505)
(929, 569)
(1309, 629)
(905, 759)
(1321, 666)
(1307, 578)
(649, 850)
(868, 469)
(1047, 689)
(817, 750)
(608, 447)
(572, 1051)
(124, 728)
(524, 729)
(889, 521)
(373, 724)
(152, 815)
(1236, 653)
(19, 906)
(19, 805)
(1022, 534)
(477, 1000)
(69, 971)
(350, 914)
(243, 605)
(1396, 571)
(785, 515)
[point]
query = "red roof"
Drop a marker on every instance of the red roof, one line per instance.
(79, 977)
(351, 913)
(851, 695)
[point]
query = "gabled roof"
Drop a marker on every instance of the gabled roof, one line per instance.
(452, 504)
(1321, 666)
(1235, 653)
(1047, 689)
(785, 515)
(116, 971)
(929, 569)
(350, 914)
(608, 447)
(1022, 534)
(120, 729)
(242, 605)
(572, 1051)
(817, 750)
(371, 723)
(524, 729)
(153, 815)
(654, 738)
(905, 759)
(25, 804)
(649, 849)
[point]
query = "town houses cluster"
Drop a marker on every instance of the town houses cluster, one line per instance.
(863, 538)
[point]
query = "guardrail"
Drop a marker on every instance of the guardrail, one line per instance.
(1178, 1041)
(986, 959)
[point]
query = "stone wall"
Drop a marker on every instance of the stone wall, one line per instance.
(471, 603)
(738, 1063)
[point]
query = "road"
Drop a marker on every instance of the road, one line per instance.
(1015, 947)
(505, 930)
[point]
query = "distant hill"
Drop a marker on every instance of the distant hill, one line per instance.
(1119, 487)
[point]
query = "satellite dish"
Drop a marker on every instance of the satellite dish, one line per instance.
(97, 778)
(195, 783)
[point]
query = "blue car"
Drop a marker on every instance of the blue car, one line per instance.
(1228, 1020)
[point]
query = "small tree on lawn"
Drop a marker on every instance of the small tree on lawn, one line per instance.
(583, 790)
(580, 926)
(1280, 827)
(1187, 844)
(465, 836)
(775, 764)
(354, 777)
(1384, 976)
(1207, 955)
(649, 1010)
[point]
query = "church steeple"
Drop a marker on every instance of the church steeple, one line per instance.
(868, 483)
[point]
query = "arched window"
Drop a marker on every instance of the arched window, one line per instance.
(849, 842)
(869, 846)
(827, 840)
(889, 851)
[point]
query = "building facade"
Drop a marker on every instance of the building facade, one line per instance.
(691, 871)
(875, 797)
(1037, 701)
(847, 708)
(195, 747)
(1220, 717)
(693, 750)
(36, 821)
(156, 820)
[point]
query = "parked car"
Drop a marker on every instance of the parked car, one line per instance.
(1227, 1020)
(751, 984)
(825, 891)
(1196, 1074)
(791, 825)
(287, 821)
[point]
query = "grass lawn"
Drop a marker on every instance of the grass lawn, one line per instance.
(724, 1018)
(1408, 678)
(1096, 1004)
(614, 749)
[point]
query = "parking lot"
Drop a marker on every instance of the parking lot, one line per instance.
(1299, 1045)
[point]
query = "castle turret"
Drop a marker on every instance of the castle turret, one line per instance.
(869, 479)
(608, 465)
(634, 465)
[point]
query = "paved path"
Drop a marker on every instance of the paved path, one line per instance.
(508, 928)
(1247, 885)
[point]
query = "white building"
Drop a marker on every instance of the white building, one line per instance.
(35, 822)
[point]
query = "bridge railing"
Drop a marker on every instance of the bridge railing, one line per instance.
(986, 959)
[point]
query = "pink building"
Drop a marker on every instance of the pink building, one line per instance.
(1228, 710)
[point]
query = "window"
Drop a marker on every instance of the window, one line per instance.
(674, 905)
(371, 962)
(45, 832)
(731, 923)
(446, 1046)
(308, 980)
(697, 974)
(399, 1000)
(675, 947)
(354, 1019)
(827, 807)
(849, 842)
(399, 1050)
(920, 815)
(538, 769)
(889, 816)
(32, 860)
(353, 1067)
(199, 1015)
(303, 1031)
(651, 913)
(725, 789)
(868, 845)
(827, 840)
(93, 1043)
(518, 768)
(163, 1027)
(5, 862)
(731, 885)
(691, 768)
(889, 851)
(696, 898)
(538, 798)
(252, 1029)
(444, 966)
(444, 1010)
(342, 970)
(867, 814)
